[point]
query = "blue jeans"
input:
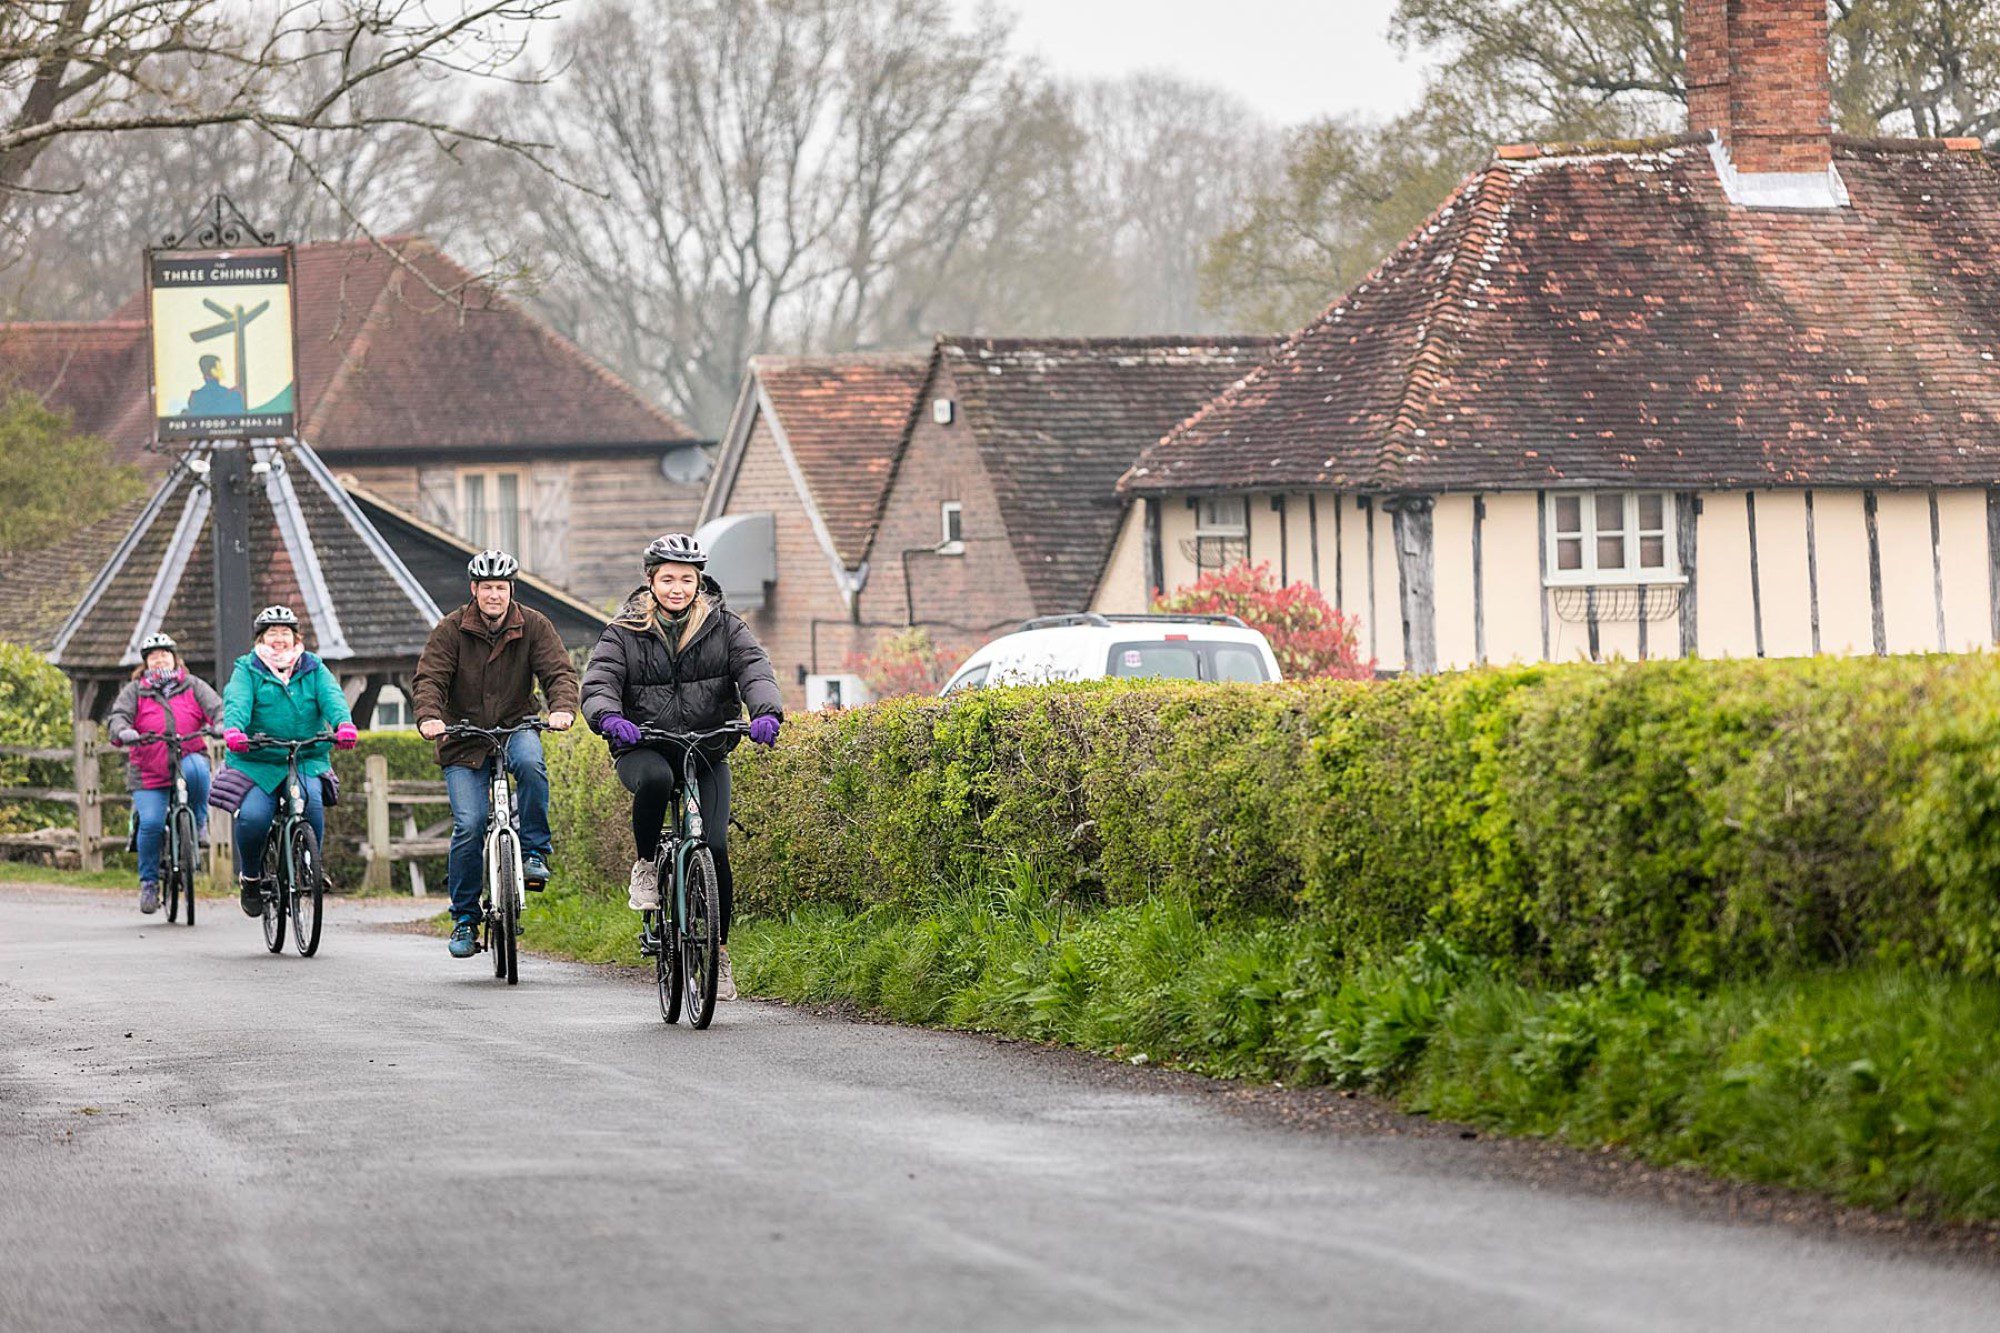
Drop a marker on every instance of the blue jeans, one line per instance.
(253, 824)
(150, 809)
(469, 789)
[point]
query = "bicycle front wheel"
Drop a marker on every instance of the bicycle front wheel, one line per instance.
(308, 888)
(274, 893)
(506, 909)
(180, 879)
(701, 935)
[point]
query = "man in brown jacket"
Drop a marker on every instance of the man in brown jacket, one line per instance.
(481, 665)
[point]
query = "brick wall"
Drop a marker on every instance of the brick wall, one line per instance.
(806, 590)
(963, 599)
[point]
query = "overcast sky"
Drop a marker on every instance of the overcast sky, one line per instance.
(1291, 59)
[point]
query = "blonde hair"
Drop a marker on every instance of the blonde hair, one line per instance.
(651, 616)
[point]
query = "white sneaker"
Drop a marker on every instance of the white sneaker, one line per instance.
(645, 895)
(725, 980)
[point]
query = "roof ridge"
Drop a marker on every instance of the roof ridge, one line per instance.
(1444, 314)
(1159, 341)
(1286, 344)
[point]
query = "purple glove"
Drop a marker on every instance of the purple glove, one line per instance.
(346, 735)
(617, 730)
(764, 730)
(235, 740)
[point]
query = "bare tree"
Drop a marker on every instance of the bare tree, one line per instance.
(301, 77)
(764, 174)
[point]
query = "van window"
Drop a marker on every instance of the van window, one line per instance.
(1179, 659)
(1155, 661)
(971, 680)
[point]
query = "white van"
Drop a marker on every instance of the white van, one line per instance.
(1095, 647)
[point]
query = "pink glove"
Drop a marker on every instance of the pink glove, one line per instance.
(235, 740)
(345, 735)
(764, 730)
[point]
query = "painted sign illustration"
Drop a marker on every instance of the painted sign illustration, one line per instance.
(223, 360)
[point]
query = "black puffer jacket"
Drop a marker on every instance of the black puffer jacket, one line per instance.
(635, 672)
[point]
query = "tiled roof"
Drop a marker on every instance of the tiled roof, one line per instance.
(844, 418)
(39, 588)
(1580, 316)
(379, 609)
(385, 364)
(95, 372)
(1058, 420)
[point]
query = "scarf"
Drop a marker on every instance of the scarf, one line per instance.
(159, 680)
(281, 661)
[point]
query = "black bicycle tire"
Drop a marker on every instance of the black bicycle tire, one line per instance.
(702, 937)
(313, 890)
(170, 872)
(275, 907)
(507, 959)
(186, 848)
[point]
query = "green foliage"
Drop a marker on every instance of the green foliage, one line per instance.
(55, 480)
(1677, 821)
(34, 711)
(410, 756)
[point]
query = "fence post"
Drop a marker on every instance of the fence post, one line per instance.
(89, 805)
(221, 833)
(381, 870)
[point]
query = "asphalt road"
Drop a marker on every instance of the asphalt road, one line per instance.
(195, 1134)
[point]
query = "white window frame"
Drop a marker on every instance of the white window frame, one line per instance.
(1630, 576)
(1206, 525)
(947, 543)
(489, 484)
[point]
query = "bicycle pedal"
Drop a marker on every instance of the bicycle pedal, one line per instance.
(649, 946)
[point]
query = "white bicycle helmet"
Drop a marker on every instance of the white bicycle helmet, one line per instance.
(492, 565)
(273, 615)
(154, 641)
(676, 548)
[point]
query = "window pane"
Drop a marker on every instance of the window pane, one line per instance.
(1653, 512)
(473, 523)
(1611, 552)
(507, 501)
(1569, 513)
(1233, 663)
(1223, 512)
(954, 529)
(1611, 512)
(1569, 553)
(1155, 661)
(1653, 552)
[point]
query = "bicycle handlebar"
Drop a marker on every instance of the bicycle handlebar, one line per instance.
(148, 737)
(263, 742)
(496, 735)
(695, 737)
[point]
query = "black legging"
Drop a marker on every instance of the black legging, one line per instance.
(654, 780)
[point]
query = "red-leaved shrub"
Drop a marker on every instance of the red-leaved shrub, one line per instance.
(1310, 638)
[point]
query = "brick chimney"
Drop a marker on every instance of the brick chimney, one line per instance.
(1757, 71)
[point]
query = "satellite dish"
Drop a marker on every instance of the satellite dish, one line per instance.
(687, 466)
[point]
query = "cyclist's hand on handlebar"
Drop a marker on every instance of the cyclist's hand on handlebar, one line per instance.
(619, 730)
(561, 720)
(764, 730)
(128, 735)
(431, 728)
(235, 740)
(346, 735)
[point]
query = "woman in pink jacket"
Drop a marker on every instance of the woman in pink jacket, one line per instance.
(161, 689)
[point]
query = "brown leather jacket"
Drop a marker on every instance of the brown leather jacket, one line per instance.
(469, 673)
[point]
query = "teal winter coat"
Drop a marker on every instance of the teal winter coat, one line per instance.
(256, 702)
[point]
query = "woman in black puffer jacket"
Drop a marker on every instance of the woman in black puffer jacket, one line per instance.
(678, 659)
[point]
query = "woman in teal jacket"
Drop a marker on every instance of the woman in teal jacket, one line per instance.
(277, 689)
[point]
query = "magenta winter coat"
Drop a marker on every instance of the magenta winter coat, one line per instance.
(196, 706)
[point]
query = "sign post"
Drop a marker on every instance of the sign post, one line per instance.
(224, 373)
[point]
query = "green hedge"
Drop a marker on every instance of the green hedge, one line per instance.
(409, 756)
(1688, 820)
(34, 711)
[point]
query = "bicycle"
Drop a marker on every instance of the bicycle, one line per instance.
(291, 856)
(505, 896)
(180, 844)
(690, 896)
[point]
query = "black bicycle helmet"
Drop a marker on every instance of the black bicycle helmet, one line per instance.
(676, 548)
(492, 565)
(273, 615)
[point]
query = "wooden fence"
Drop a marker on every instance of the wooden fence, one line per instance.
(88, 798)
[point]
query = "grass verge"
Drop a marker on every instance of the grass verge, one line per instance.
(1877, 1085)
